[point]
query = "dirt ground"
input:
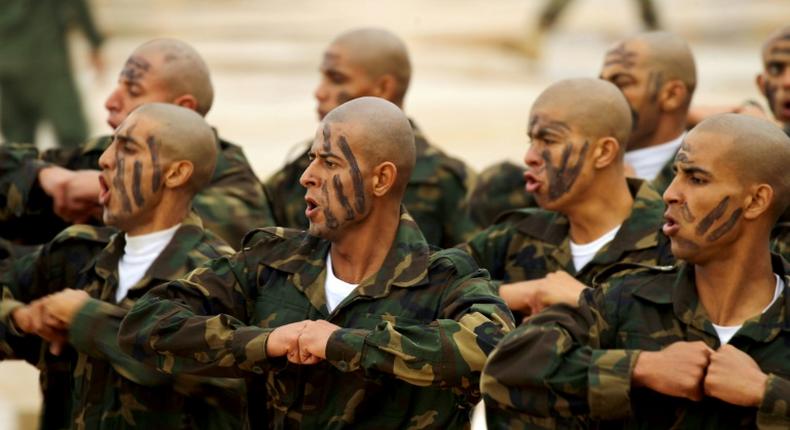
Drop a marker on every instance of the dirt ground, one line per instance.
(471, 88)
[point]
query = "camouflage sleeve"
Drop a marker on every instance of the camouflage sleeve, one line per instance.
(94, 331)
(773, 412)
(19, 167)
(447, 353)
(197, 325)
(489, 249)
(553, 367)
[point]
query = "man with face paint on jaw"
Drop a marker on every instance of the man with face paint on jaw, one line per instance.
(375, 62)
(656, 73)
(80, 285)
(356, 323)
(699, 345)
(41, 195)
(591, 216)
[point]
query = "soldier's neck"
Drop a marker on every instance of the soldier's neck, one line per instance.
(738, 285)
(607, 205)
(361, 252)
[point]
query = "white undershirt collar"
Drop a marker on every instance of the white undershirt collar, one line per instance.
(648, 162)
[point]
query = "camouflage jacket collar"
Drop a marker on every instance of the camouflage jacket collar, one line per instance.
(166, 266)
(687, 308)
(639, 231)
(406, 264)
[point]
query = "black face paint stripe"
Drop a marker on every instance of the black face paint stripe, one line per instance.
(156, 178)
(726, 227)
(331, 221)
(682, 157)
(620, 55)
(118, 182)
(711, 217)
(356, 174)
(137, 174)
(327, 135)
(561, 179)
(685, 212)
(341, 196)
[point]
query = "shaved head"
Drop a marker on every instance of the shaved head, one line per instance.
(380, 53)
(181, 134)
(182, 70)
(670, 55)
(382, 133)
(780, 35)
(594, 106)
(758, 148)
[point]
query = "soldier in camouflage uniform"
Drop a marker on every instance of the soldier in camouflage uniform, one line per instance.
(37, 192)
(576, 174)
(80, 287)
(397, 343)
(656, 73)
(700, 345)
(373, 62)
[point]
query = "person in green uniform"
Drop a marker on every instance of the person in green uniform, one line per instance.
(699, 345)
(36, 81)
(62, 305)
(42, 193)
(375, 62)
(356, 322)
(590, 215)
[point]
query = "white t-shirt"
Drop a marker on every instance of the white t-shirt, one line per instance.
(336, 288)
(726, 332)
(138, 255)
(583, 254)
(647, 162)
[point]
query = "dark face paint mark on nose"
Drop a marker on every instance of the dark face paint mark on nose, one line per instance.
(331, 221)
(341, 196)
(356, 174)
(156, 178)
(711, 217)
(118, 182)
(327, 136)
(561, 178)
(136, 179)
(685, 212)
(726, 227)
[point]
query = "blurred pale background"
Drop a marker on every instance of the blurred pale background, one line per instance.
(470, 92)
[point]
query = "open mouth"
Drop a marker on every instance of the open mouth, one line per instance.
(671, 225)
(104, 191)
(312, 207)
(532, 184)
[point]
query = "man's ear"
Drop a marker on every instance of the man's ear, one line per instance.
(384, 177)
(387, 88)
(606, 152)
(187, 100)
(673, 95)
(759, 201)
(178, 174)
(760, 81)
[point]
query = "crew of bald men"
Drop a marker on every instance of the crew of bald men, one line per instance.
(630, 273)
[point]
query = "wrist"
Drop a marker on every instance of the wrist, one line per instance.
(761, 385)
(641, 373)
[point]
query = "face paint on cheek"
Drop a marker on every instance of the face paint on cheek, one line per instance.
(341, 196)
(655, 81)
(356, 174)
(136, 179)
(118, 182)
(634, 118)
(156, 178)
(770, 95)
(726, 227)
(342, 97)
(685, 212)
(331, 221)
(711, 217)
(562, 178)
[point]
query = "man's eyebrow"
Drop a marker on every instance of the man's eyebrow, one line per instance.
(694, 169)
(327, 154)
(126, 138)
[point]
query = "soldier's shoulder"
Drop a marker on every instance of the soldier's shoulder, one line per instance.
(434, 164)
(270, 236)
(212, 246)
(652, 282)
(524, 215)
(454, 259)
(84, 234)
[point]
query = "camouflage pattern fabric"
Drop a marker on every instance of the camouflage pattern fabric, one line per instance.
(231, 205)
(531, 243)
(95, 384)
(414, 336)
(665, 176)
(498, 189)
(435, 195)
(568, 367)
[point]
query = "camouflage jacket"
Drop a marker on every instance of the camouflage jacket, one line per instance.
(231, 205)
(413, 340)
(531, 243)
(665, 176)
(435, 195)
(498, 189)
(105, 387)
(568, 367)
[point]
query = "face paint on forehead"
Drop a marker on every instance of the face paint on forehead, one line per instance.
(135, 68)
(341, 197)
(330, 60)
(682, 157)
(780, 45)
(156, 178)
(331, 220)
(327, 144)
(712, 216)
(562, 178)
(356, 174)
(118, 181)
(620, 56)
(137, 174)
